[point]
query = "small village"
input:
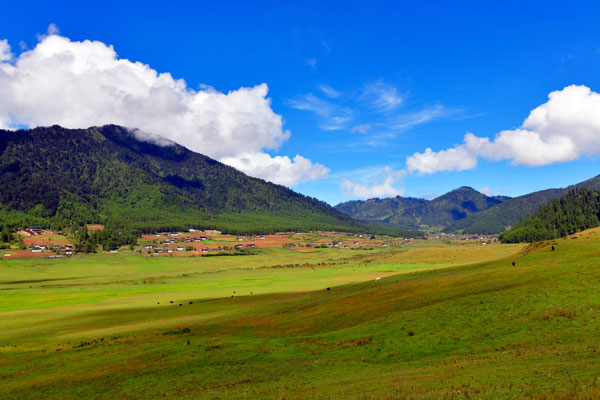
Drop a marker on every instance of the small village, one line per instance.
(38, 242)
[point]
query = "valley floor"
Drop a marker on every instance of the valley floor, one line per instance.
(445, 320)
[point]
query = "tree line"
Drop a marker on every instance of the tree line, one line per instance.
(577, 211)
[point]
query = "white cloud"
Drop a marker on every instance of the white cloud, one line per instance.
(329, 91)
(5, 53)
(82, 84)
(487, 191)
(332, 116)
(278, 169)
(428, 162)
(366, 191)
(381, 96)
(564, 128)
(53, 29)
(312, 63)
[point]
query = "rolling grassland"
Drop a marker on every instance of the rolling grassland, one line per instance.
(444, 321)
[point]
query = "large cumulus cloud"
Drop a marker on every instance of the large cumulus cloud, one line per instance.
(81, 84)
(564, 128)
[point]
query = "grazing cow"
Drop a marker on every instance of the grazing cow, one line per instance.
(514, 263)
(378, 279)
(191, 302)
(171, 301)
(180, 304)
(328, 290)
(158, 302)
(552, 248)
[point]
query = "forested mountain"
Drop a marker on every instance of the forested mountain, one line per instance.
(575, 212)
(503, 216)
(420, 213)
(68, 177)
(462, 210)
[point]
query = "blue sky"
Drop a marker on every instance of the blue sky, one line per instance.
(362, 86)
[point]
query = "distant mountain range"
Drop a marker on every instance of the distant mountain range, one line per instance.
(461, 210)
(68, 177)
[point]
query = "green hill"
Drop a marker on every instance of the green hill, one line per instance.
(462, 210)
(575, 212)
(420, 213)
(503, 216)
(67, 177)
(490, 330)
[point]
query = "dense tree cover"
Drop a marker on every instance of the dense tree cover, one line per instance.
(503, 216)
(109, 239)
(64, 179)
(458, 211)
(415, 213)
(575, 212)
(6, 236)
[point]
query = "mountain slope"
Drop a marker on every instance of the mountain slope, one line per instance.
(501, 217)
(462, 210)
(67, 177)
(577, 211)
(420, 213)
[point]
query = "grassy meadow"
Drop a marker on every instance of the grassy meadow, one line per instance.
(446, 320)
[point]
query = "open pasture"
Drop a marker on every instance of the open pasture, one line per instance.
(445, 321)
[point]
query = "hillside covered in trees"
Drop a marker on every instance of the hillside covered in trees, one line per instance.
(60, 178)
(414, 213)
(577, 211)
(462, 210)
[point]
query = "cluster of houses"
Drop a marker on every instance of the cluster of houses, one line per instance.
(172, 240)
(158, 250)
(35, 230)
(57, 248)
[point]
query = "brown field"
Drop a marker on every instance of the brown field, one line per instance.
(48, 239)
(95, 227)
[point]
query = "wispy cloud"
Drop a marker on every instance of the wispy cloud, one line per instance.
(406, 121)
(332, 116)
(381, 97)
(363, 128)
(312, 63)
(373, 111)
(329, 91)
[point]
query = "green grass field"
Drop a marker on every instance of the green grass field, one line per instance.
(444, 321)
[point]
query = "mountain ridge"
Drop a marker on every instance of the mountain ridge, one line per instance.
(66, 177)
(491, 215)
(421, 213)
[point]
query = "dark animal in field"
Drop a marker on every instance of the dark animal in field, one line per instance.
(188, 342)
(171, 301)
(180, 304)
(328, 290)
(514, 263)
(191, 302)
(552, 248)
(158, 302)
